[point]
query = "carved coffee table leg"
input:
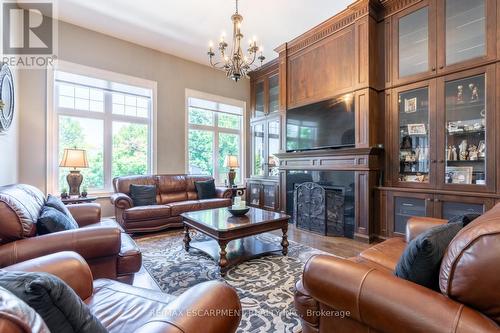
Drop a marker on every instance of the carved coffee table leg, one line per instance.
(187, 239)
(284, 241)
(223, 262)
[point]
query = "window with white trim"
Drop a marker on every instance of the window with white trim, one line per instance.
(111, 120)
(214, 132)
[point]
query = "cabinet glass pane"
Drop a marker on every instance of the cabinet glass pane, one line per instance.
(414, 43)
(453, 209)
(465, 30)
(259, 99)
(254, 194)
(258, 150)
(273, 147)
(270, 196)
(414, 136)
(465, 131)
(404, 208)
(274, 91)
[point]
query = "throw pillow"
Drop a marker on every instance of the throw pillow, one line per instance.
(20, 312)
(51, 220)
(56, 203)
(464, 219)
(422, 257)
(143, 195)
(59, 306)
(205, 189)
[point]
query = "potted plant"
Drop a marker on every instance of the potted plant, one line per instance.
(84, 192)
(64, 193)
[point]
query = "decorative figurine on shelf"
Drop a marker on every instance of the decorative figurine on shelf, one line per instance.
(406, 142)
(454, 155)
(418, 154)
(460, 94)
(474, 92)
(448, 177)
(64, 193)
(448, 153)
(473, 153)
(481, 149)
(463, 150)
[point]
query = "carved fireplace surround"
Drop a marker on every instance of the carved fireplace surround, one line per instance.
(364, 162)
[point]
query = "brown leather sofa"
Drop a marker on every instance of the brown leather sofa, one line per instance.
(378, 301)
(109, 251)
(209, 307)
(176, 194)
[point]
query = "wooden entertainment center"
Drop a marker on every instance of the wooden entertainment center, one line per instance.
(422, 76)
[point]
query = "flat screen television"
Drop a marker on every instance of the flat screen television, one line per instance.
(327, 124)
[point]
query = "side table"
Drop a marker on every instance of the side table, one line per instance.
(77, 200)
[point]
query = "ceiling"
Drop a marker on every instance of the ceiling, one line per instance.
(185, 27)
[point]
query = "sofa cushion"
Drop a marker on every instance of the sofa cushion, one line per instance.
(110, 298)
(59, 306)
(184, 206)
(146, 212)
(469, 270)
(214, 203)
(143, 195)
(15, 310)
(387, 253)
(20, 206)
(51, 220)
(422, 257)
(56, 203)
(205, 189)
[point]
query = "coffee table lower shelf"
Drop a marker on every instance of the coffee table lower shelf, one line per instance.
(237, 251)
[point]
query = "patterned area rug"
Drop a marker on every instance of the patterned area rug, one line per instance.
(265, 285)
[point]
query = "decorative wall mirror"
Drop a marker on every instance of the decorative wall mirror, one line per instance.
(6, 98)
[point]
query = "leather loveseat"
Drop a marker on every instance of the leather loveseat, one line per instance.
(209, 307)
(176, 194)
(362, 295)
(109, 251)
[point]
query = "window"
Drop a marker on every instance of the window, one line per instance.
(111, 120)
(215, 128)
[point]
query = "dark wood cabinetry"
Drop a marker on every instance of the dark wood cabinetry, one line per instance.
(263, 193)
(422, 75)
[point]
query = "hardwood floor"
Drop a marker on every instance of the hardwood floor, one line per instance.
(340, 246)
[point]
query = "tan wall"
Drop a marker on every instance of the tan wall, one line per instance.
(9, 142)
(174, 75)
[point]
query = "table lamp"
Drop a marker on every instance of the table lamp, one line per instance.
(74, 158)
(231, 162)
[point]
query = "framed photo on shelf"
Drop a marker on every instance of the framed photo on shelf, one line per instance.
(410, 105)
(459, 175)
(416, 129)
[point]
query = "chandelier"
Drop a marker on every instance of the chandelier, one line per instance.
(236, 64)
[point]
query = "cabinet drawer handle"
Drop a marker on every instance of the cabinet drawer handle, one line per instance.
(441, 67)
(433, 69)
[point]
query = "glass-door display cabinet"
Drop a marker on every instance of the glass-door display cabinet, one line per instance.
(468, 140)
(266, 140)
(466, 29)
(414, 136)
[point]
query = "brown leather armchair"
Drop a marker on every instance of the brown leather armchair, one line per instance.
(176, 194)
(209, 307)
(362, 294)
(110, 252)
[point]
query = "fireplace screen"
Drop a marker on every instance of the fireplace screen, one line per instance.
(319, 208)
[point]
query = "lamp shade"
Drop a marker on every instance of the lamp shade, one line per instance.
(231, 162)
(74, 158)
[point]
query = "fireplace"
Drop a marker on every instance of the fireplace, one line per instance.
(322, 201)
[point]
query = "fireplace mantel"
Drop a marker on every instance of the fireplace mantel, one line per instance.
(358, 159)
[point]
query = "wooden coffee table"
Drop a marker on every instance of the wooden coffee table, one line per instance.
(233, 238)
